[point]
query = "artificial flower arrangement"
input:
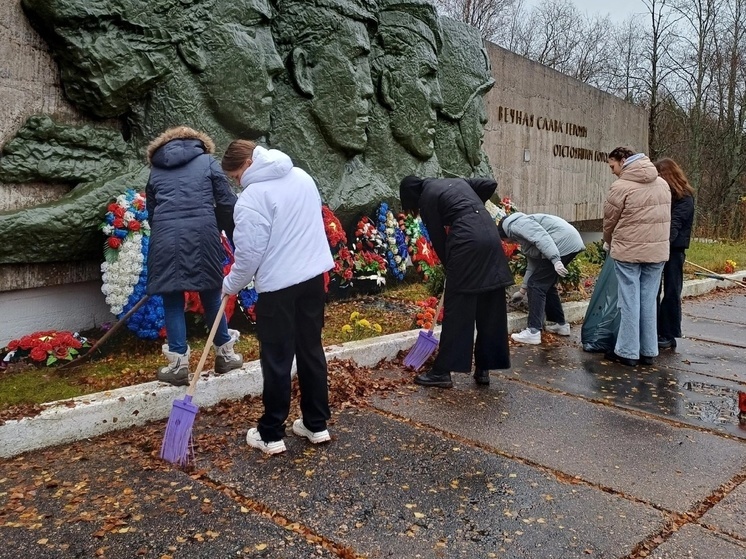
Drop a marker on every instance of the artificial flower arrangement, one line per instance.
(359, 328)
(420, 249)
(125, 274)
(124, 270)
(368, 253)
(500, 209)
(516, 259)
(396, 253)
(335, 234)
(425, 317)
(730, 266)
(47, 347)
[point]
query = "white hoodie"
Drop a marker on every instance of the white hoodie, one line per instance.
(279, 235)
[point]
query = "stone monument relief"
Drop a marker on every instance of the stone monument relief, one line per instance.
(360, 93)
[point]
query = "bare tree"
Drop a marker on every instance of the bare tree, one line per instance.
(726, 161)
(659, 41)
(692, 65)
(489, 16)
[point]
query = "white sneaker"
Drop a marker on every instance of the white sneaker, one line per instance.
(526, 337)
(253, 438)
(316, 438)
(559, 329)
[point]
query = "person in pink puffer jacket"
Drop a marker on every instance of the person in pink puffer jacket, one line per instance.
(636, 230)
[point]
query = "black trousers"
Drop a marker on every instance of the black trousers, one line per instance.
(669, 307)
(289, 323)
(462, 312)
(542, 293)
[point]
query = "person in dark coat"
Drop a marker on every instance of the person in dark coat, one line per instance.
(468, 244)
(682, 217)
(189, 201)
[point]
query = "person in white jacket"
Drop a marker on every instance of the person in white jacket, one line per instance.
(550, 243)
(280, 243)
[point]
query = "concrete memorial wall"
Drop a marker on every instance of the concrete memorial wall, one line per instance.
(547, 137)
(358, 92)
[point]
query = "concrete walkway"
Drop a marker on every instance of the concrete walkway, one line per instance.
(564, 455)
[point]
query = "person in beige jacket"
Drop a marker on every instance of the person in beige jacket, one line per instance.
(636, 230)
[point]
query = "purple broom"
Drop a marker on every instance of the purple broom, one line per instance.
(175, 447)
(426, 343)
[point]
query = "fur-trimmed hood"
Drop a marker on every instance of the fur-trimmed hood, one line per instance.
(181, 133)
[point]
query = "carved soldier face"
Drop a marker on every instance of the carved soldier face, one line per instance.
(337, 78)
(471, 127)
(413, 95)
(241, 64)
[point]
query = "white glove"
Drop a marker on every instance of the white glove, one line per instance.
(560, 269)
(518, 297)
(606, 246)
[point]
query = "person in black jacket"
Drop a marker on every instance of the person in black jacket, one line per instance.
(189, 201)
(682, 216)
(468, 244)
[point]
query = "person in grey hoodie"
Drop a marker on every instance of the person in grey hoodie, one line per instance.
(550, 243)
(281, 245)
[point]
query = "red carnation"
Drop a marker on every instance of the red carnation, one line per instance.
(111, 207)
(38, 354)
(27, 342)
(114, 242)
(119, 223)
(13, 345)
(119, 211)
(134, 225)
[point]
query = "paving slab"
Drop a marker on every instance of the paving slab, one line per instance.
(389, 489)
(706, 401)
(714, 330)
(706, 357)
(669, 466)
(100, 500)
(729, 515)
(729, 307)
(694, 542)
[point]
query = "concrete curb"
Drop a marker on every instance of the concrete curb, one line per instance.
(88, 416)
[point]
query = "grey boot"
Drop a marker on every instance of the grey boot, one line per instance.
(225, 358)
(177, 370)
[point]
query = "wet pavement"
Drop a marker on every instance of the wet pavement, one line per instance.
(565, 455)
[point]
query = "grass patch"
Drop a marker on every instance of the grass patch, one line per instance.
(712, 255)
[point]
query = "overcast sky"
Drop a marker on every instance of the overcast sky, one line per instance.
(617, 10)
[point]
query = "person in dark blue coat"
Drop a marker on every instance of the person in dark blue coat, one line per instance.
(189, 201)
(468, 244)
(682, 217)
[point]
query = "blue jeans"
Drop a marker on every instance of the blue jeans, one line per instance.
(173, 309)
(638, 295)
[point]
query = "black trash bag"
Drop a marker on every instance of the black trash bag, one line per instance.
(601, 324)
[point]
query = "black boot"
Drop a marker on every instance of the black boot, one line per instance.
(612, 356)
(434, 378)
(482, 376)
(665, 343)
(646, 360)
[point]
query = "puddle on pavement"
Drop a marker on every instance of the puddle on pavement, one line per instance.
(714, 403)
(689, 397)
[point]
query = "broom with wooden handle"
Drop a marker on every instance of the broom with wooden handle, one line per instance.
(80, 360)
(713, 275)
(426, 342)
(175, 447)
